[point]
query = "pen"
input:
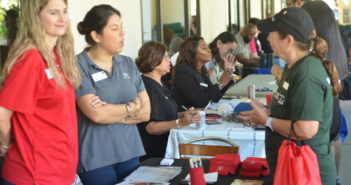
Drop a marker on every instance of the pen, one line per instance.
(209, 103)
(184, 107)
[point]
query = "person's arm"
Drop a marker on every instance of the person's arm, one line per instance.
(305, 129)
(144, 113)
(5, 130)
(161, 127)
(139, 110)
(247, 62)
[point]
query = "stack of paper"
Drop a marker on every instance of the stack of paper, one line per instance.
(151, 175)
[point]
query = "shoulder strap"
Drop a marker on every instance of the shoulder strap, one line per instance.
(299, 142)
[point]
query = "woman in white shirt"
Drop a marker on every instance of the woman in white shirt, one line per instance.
(222, 48)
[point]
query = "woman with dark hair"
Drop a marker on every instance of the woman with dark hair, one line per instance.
(303, 101)
(153, 62)
(222, 48)
(255, 45)
(327, 28)
(111, 100)
(191, 86)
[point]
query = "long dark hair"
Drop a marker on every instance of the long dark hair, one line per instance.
(187, 53)
(327, 28)
(224, 37)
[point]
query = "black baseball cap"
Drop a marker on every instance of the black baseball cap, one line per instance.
(292, 21)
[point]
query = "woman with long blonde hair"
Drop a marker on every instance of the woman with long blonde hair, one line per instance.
(38, 131)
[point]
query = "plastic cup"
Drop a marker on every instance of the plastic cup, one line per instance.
(268, 99)
(202, 122)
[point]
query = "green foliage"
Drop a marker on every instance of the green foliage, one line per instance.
(3, 29)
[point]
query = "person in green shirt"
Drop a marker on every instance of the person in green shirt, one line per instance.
(305, 92)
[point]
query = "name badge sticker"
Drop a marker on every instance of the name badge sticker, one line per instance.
(99, 76)
(203, 85)
(286, 85)
(49, 73)
(328, 80)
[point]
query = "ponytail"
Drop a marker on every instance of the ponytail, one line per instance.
(320, 50)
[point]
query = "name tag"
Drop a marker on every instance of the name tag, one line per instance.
(49, 73)
(99, 76)
(203, 85)
(286, 85)
(328, 81)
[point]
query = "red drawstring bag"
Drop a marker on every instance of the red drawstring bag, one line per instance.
(297, 165)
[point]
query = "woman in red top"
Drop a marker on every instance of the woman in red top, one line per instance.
(38, 125)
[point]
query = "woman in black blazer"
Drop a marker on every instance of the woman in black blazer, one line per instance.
(191, 86)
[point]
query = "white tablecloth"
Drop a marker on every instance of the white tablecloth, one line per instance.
(250, 141)
(260, 81)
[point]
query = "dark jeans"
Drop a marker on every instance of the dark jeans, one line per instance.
(109, 175)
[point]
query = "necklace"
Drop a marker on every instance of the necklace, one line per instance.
(101, 62)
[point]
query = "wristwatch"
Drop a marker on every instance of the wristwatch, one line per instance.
(268, 123)
(129, 108)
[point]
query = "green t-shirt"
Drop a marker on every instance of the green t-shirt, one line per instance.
(305, 93)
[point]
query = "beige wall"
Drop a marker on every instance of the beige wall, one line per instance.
(130, 10)
(214, 18)
(255, 10)
(153, 13)
(172, 11)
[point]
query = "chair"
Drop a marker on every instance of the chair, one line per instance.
(186, 149)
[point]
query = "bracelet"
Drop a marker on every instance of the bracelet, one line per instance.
(5, 147)
(129, 108)
(269, 123)
(177, 123)
(220, 86)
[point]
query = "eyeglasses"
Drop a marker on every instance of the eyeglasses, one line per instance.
(166, 57)
(231, 50)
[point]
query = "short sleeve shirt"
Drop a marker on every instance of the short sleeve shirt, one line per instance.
(305, 93)
(163, 108)
(216, 72)
(100, 144)
(44, 124)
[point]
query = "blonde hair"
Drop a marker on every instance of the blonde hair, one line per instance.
(321, 50)
(249, 29)
(31, 33)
